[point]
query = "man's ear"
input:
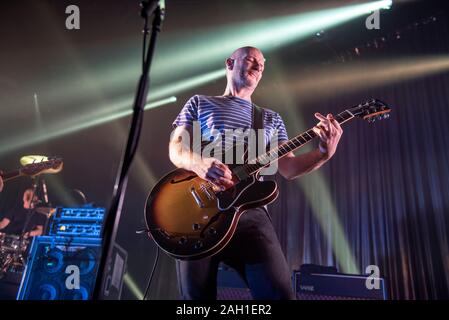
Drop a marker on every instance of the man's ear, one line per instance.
(229, 63)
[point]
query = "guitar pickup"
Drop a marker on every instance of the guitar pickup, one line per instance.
(197, 198)
(207, 191)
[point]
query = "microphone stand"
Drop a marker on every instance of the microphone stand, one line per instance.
(47, 204)
(30, 211)
(112, 220)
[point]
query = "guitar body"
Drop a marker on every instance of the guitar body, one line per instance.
(188, 220)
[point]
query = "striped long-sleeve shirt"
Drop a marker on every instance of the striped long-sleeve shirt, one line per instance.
(219, 116)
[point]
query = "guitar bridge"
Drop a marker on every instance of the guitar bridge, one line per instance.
(207, 191)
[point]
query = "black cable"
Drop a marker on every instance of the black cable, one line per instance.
(152, 273)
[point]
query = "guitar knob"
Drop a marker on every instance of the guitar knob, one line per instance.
(182, 241)
(196, 226)
(212, 230)
(198, 245)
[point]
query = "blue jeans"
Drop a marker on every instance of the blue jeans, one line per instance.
(254, 252)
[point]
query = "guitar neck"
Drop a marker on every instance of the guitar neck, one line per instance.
(295, 143)
(11, 175)
(34, 169)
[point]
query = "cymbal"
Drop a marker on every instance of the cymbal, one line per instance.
(32, 159)
(46, 211)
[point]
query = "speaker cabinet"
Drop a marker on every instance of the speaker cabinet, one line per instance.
(60, 268)
(311, 282)
(317, 283)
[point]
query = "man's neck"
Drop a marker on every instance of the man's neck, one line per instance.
(242, 93)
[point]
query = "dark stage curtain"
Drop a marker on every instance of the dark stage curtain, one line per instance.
(388, 182)
(383, 199)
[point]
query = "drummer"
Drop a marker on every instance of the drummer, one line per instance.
(24, 220)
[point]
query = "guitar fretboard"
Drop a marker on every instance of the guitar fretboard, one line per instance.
(11, 175)
(288, 146)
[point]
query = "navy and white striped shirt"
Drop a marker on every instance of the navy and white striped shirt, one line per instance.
(217, 114)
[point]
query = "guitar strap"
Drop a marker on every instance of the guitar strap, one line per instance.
(258, 115)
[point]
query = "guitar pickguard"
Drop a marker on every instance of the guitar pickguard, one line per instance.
(230, 197)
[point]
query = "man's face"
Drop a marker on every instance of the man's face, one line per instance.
(247, 67)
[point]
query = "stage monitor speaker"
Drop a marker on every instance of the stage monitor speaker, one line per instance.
(313, 282)
(60, 268)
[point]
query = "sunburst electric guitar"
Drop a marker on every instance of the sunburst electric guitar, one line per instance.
(190, 219)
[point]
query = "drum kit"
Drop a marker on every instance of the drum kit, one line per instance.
(14, 248)
(12, 253)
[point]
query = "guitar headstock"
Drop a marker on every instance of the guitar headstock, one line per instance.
(371, 110)
(49, 166)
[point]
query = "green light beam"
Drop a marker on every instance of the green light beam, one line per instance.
(314, 185)
(187, 84)
(356, 76)
(132, 286)
(316, 190)
(204, 49)
(123, 103)
(69, 127)
(140, 170)
(193, 52)
(110, 112)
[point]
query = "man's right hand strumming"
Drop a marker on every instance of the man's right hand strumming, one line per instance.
(209, 169)
(213, 170)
